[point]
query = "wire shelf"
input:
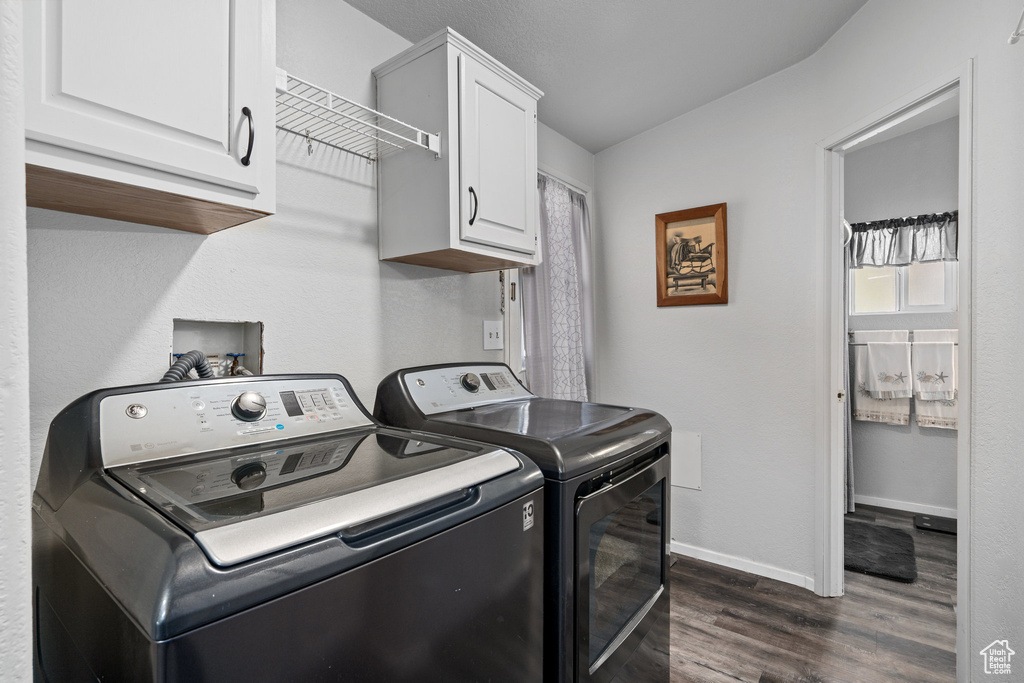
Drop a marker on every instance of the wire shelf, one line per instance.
(321, 116)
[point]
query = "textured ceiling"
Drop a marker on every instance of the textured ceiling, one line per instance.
(611, 69)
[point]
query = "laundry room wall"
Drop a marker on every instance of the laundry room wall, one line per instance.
(904, 466)
(103, 294)
(560, 156)
(16, 493)
(745, 374)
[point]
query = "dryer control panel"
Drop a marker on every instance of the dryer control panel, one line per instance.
(185, 417)
(439, 390)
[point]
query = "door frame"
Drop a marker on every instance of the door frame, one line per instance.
(831, 440)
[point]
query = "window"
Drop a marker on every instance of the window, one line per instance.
(917, 288)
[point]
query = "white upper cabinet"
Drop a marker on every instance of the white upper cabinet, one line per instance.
(164, 109)
(475, 207)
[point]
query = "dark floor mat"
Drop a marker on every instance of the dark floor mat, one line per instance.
(880, 551)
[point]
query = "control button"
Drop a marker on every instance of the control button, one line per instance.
(254, 430)
(201, 476)
(249, 406)
(249, 476)
(470, 382)
(421, 383)
(196, 490)
(198, 405)
(313, 418)
(279, 426)
(136, 411)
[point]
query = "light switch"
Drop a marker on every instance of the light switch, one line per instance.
(492, 335)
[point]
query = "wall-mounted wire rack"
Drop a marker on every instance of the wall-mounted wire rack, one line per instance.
(321, 116)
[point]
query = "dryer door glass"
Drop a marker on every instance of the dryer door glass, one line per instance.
(621, 565)
(625, 566)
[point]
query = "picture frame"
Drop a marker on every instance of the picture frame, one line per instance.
(692, 256)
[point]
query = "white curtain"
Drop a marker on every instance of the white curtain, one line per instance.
(902, 241)
(557, 297)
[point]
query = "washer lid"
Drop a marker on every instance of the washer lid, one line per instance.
(244, 504)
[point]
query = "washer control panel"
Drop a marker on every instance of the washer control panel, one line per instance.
(196, 418)
(439, 390)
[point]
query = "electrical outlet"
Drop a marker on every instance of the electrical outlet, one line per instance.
(493, 340)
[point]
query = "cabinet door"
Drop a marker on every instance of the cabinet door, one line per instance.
(498, 160)
(159, 85)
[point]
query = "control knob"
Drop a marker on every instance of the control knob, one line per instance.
(470, 382)
(249, 475)
(249, 406)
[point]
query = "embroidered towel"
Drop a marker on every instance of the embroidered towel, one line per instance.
(889, 370)
(951, 336)
(869, 336)
(934, 377)
(943, 414)
(865, 408)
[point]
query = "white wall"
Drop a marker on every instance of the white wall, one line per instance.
(744, 374)
(904, 467)
(561, 156)
(912, 174)
(15, 494)
(740, 374)
(103, 294)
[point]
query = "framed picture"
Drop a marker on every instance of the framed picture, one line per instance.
(692, 266)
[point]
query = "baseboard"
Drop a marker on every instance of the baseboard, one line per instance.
(932, 510)
(743, 564)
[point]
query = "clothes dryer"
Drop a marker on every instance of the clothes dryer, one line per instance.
(606, 470)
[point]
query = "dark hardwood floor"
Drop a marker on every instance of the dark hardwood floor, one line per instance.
(728, 625)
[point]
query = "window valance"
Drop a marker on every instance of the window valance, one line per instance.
(902, 241)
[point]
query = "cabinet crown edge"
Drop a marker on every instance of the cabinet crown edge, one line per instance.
(450, 37)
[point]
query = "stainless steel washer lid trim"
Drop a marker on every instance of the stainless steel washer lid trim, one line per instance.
(228, 545)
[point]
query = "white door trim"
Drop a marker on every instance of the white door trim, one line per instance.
(828, 573)
(512, 322)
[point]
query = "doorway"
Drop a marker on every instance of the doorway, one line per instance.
(925, 102)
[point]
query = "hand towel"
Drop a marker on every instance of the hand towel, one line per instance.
(934, 376)
(950, 336)
(867, 409)
(870, 336)
(943, 414)
(889, 370)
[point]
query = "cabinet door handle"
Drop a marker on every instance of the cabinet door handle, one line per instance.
(476, 204)
(247, 113)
